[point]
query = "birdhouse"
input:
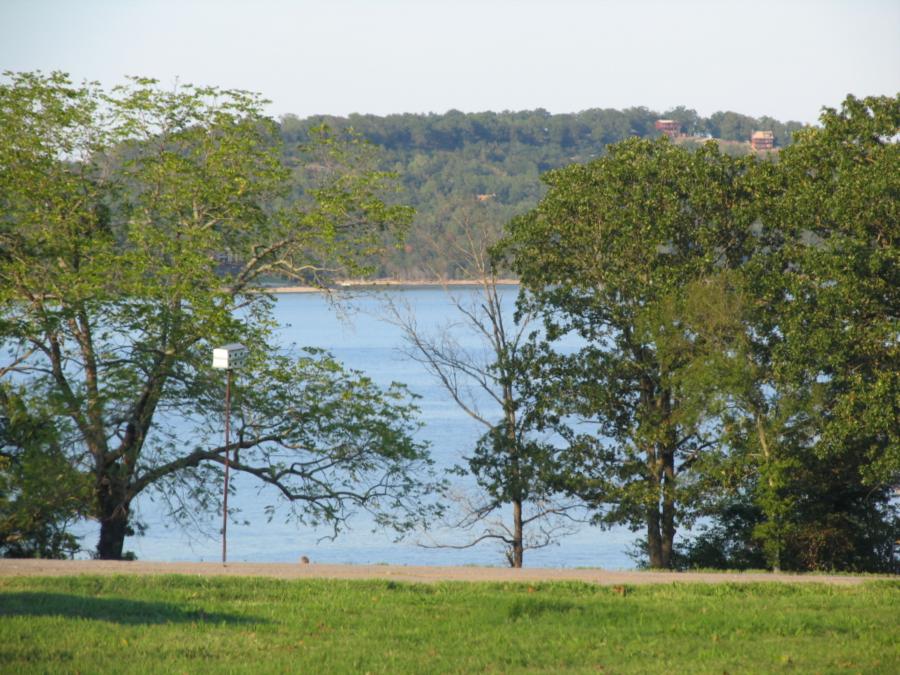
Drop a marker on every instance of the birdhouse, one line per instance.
(230, 356)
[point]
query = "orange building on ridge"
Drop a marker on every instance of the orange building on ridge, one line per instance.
(762, 140)
(670, 128)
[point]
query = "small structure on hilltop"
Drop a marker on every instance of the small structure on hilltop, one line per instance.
(670, 128)
(762, 140)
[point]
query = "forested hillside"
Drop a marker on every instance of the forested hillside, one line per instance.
(485, 167)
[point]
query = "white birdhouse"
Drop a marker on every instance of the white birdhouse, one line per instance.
(230, 356)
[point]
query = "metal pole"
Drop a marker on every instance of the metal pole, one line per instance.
(227, 442)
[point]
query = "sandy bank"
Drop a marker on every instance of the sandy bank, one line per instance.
(374, 284)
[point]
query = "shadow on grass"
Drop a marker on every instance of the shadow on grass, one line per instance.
(117, 610)
(531, 609)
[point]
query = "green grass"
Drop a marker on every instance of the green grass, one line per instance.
(188, 624)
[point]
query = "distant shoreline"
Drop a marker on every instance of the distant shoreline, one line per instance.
(383, 283)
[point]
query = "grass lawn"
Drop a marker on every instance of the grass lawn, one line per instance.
(197, 624)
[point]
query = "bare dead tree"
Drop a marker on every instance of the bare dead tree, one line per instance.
(511, 464)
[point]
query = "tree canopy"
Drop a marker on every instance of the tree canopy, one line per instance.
(612, 242)
(135, 225)
(736, 319)
(739, 323)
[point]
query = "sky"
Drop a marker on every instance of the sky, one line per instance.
(785, 59)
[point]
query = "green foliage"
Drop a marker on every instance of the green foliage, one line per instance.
(40, 491)
(826, 338)
(610, 244)
(802, 363)
(728, 543)
(135, 227)
(157, 624)
(741, 340)
(831, 227)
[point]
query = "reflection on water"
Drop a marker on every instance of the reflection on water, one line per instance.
(362, 341)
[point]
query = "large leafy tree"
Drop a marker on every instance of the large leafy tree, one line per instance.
(830, 274)
(826, 339)
(610, 244)
(776, 496)
(134, 227)
(788, 357)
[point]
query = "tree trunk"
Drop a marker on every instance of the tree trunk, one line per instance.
(518, 550)
(114, 513)
(654, 538)
(518, 545)
(661, 514)
(112, 537)
(668, 509)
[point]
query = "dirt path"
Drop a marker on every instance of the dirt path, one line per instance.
(10, 568)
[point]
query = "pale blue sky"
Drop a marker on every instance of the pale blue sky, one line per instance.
(785, 59)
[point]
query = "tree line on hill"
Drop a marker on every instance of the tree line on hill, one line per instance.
(739, 363)
(451, 164)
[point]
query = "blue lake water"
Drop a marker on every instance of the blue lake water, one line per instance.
(357, 335)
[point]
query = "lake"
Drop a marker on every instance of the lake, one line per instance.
(357, 335)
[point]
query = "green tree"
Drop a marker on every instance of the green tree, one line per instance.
(691, 123)
(610, 242)
(134, 227)
(731, 126)
(41, 494)
(775, 496)
(795, 353)
(826, 274)
(829, 270)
